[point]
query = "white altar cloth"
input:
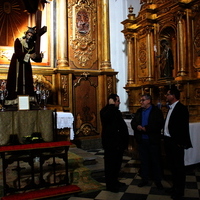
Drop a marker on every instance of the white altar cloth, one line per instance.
(130, 130)
(65, 120)
(192, 155)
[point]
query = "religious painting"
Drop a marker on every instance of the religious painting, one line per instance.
(82, 21)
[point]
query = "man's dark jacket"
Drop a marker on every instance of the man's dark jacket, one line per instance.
(154, 127)
(114, 129)
(179, 126)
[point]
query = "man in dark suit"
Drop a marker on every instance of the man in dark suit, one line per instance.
(147, 125)
(114, 141)
(176, 140)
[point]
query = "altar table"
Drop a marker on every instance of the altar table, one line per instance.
(192, 155)
(24, 123)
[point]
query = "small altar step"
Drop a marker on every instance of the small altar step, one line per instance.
(86, 167)
(44, 193)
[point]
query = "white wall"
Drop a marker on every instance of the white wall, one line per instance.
(118, 10)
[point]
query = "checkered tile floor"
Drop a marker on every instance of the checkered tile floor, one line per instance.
(130, 176)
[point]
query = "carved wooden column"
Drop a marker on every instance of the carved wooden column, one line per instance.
(180, 46)
(196, 61)
(189, 40)
(61, 10)
(149, 53)
(106, 64)
(131, 51)
(131, 54)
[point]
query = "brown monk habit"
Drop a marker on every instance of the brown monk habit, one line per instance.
(20, 80)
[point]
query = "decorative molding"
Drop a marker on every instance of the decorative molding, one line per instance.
(86, 129)
(83, 25)
(65, 86)
(142, 56)
(110, 85)
(42, 81)
(85, 77)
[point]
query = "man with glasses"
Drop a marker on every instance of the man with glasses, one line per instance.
(176, 139)
(147, 125)
(114, 140)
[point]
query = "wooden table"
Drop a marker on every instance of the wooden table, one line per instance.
(28, 153)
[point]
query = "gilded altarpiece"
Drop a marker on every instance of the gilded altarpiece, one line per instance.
(83, 40)
(163, 50)
(76, 67)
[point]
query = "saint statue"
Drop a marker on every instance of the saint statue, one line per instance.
(20, 79)
(166, 60)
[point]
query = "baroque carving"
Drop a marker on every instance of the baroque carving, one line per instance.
(84, 77)
(83, 24)
(196, 64)
(64, 85)
(145, 31)
(197, 43)
(180, 15)
(42, 80)
(110, 84)
(142, 55)
(86, 130)
(86, 116)
(197, 93)
(164, 10)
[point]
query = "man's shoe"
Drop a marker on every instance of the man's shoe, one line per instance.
(170, 190)
(177, 197)
(120, 184)
(114, 189)
(159, 185)
(143, 183)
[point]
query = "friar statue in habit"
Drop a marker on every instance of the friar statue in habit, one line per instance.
(20, 79)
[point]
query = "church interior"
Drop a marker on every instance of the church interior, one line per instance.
(72, 82)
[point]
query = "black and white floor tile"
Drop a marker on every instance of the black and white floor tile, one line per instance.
(130, 176)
